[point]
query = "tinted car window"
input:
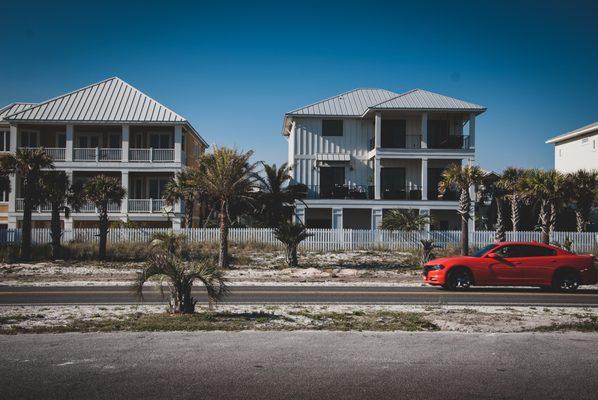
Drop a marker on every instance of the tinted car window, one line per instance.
(525, 251)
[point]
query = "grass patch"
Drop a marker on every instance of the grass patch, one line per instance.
(586, 324)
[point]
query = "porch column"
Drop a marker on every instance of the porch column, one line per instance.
(124, 182)
(376, 218)
(424, 186)
(472, 131)
(377, 130)
(125, 143)
(299, 217)
(12, 194)
(68, 155)
(176, 224)
(424, 133)
(13, 139)
(377, 178)
(337, 218)
(426, 212)
(178, 138)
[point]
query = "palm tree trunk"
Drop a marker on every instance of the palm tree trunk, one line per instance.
(103, 232)
(582, 221)
(515, 212)
(223, 257)
(26, 229)
(292, 256)
(189, 214)
(553, 215)
(464, 208)
(56, 232)
(544, 222)
(500, 235)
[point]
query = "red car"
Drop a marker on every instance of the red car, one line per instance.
(513, 264)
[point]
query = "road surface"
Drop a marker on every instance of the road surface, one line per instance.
(299, 365)
(308, 294)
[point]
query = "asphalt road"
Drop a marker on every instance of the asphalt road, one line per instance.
(309, 294)
(299, 365)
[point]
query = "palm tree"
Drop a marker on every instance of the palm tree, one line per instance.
(510, 182)
(180, 276)
(182, 188)
(227, 176)
(493, 191)
(462, 178)
(170, 242)
(276, 196)
(548, 190)
(291, 235)
(404, 220)
(62, 197)
(103, 190)
(584, 195)
(27, 164)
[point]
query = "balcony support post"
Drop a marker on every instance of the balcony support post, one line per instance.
(337, 218)
(299, 214)
(178, 138)
(472, 131)
(424, 133)
(124, 181)
(68, 152)
(125, 143)
(425, 212)
(97, 154)
(151, 154)
(424, 185)
(13, 139)
(377, 182)
(376, 218)
(377, 130)
(151, 206)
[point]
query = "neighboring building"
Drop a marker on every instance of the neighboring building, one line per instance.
(111, 128)
(577, 149)
(370, 150)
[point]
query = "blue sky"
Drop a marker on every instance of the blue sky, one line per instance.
(233, 69)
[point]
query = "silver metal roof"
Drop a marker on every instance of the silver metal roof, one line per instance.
(419, 99)
(577, 132)
(111, 100)
(13, 108)
(358, 102)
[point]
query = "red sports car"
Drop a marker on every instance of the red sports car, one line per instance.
(513, 264)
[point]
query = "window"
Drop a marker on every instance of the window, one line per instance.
(4, 140)
(29, 138)
(560, 152)
(61, 140)
(394, 133)
(332, 127)
(114, 141)
(183, 142)
(160, 141)
(515, 251)
(4, 196)
(332, 180)
(392, 181)
(156, 188)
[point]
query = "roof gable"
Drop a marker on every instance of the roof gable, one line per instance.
(14, 108)
(419, 99)
(351, 103)
(593, 127)
(111, 100)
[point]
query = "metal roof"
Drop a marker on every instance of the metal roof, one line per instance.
(419, 99)
(13, 108)
(358, 102)
(111, 100)
(577, 132)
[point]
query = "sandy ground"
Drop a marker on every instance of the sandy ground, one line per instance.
(447, 318)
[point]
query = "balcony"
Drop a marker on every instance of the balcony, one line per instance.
(97, 154)
(146, 205)
(347, 192)
(151, 155)
(86, 208)
(55, 153)
(434, 142)
(411, 192)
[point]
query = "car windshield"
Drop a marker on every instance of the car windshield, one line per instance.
(483, 250)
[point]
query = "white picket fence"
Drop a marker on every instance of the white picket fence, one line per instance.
(321, 239)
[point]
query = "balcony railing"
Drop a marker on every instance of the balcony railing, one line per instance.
(151, 155)
(449, 195)
(146, 205)
(55, 153)
(86, 208)
(390, 192)
(434, 142)
(355, 192)
(91, 208)
(97, 154)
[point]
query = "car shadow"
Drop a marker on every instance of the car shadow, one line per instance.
(525, 290)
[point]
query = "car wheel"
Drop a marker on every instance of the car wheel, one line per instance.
(566, 281)
(458, 279)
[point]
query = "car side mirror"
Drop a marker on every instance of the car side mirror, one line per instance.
(493, 255)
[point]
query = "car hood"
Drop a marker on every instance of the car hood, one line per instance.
(450, 260)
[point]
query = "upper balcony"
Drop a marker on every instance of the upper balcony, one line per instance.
(434, 142)
(99, 154)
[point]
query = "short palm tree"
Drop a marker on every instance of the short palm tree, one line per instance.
(510, 182)
(27, 164)
(226, 175)
(462, 178)
(182, 188)
(170, 242)
(101, 191)
(584, 195)
(62, 198)
(180, 276)
(291, 235)
(404, 220)
(275, 195)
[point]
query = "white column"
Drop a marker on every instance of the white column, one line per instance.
(377, 130)
(69, 143)
(125, 143)
(13, 139)
(176, 224)
(424, 140)
(291, 151)
(337, 218)
(12, 195)
(376, 218)
(299, 214)
(377, 181)
(472, 131)
(178, 138)
(426, 212)
(124, 206)
(424, 185)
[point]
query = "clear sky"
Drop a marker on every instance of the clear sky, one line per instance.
(234, 69)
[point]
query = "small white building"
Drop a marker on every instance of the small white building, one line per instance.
(577, 149)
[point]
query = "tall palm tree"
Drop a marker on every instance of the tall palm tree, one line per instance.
(462, 178)
(62, 197)
(102, 190)
(182, 188)
(27, 164)
(291, 235)
(547, 189)
(276, 196)
(584, 195)
(493, 191)
(404, 220)
(227, 176)
(510, 182)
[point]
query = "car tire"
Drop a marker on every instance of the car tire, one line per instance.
(458, 279)
(566, 281)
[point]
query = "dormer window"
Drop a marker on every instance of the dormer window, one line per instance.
(332, 127)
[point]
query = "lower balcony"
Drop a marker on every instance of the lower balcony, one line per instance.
(100, 154)
(147, 206)
(347, 192)
(86, 208)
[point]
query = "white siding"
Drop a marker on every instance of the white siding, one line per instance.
(578, 153)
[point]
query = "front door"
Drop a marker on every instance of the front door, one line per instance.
(332, 180)
(393, 183)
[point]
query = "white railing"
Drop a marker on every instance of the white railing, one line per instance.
(151, 155)
(97, 154)
(56, 153)
(327, 239)
(91, 208)
(110, 154)
(146, 205)
(84, 154)
(20, 206)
